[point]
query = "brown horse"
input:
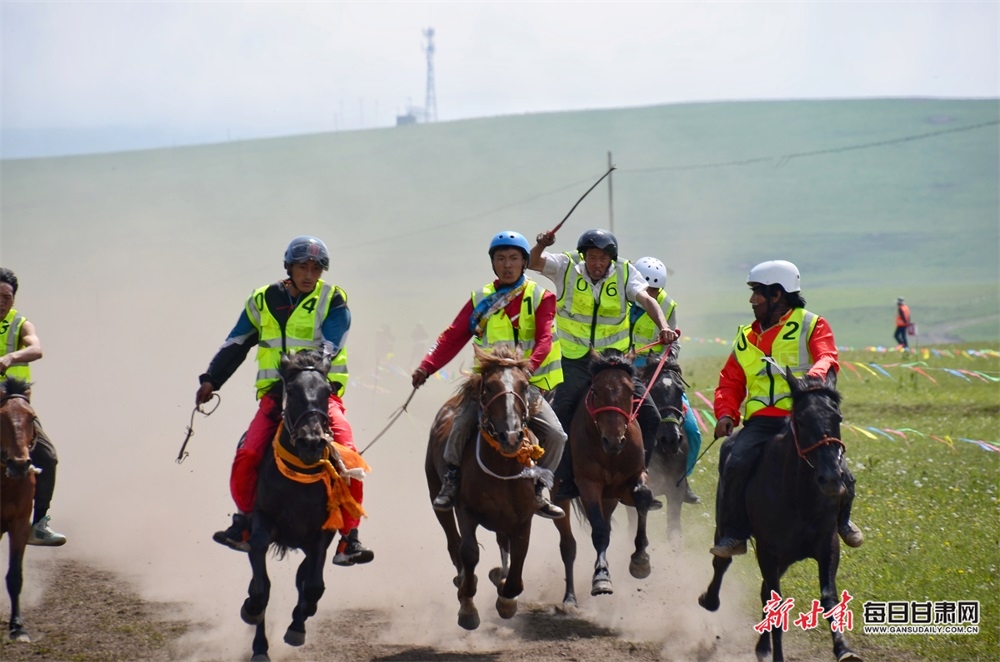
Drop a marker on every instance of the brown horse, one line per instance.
(497, 488)
(610, 468)
(793, 500)
(17, 488)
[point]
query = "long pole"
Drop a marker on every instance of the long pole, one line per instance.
(611, 199)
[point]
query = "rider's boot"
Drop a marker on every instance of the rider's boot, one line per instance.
(642, 497)
(41, 534)
(851, 534)
(445, 500)
(564, 474)
(237, 535)
(728, 547)
(545, 507)
(350, 551)
(689, 495)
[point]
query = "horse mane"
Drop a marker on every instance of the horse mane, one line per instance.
(611, 359)
(670, 365)
(14, 386)
(305, 359)
(501, 356)
(813, 384)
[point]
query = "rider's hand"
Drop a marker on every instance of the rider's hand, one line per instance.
(667, 336)
(724, 427)
(5, 362)
(204, 393)
(419, 377)
(546, 238)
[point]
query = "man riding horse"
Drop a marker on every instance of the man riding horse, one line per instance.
(300, 312)
(19, 346)
(513, 311)
(643, 332)
(785, 332)
(593, 293)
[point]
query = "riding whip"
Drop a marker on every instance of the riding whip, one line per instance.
(556, 228)
(182, 455)
(395, 416)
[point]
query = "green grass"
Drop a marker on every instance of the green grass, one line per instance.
(929, 510)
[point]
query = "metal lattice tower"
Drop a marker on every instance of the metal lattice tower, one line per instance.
(430, 102)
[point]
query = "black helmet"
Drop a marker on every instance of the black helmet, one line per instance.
(598, 239)
(304, 248)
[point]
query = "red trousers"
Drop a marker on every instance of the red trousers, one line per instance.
(249, 453)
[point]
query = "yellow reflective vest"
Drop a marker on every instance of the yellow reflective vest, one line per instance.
(584, 323)
(303, 330)
(10, 336)
(500, 330)
(766, 384)
(644, 331)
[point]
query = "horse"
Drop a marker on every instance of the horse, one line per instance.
(17, 489)
(609, 466)
(668, 463)
(497, 488)
(300, 489)
(793, 500)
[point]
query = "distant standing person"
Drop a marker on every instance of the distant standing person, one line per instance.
(902, 323)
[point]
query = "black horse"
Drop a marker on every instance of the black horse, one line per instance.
(668, 463)
(294, 498)
(793, 499)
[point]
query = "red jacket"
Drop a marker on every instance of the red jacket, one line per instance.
(732, 389)
(456, 336)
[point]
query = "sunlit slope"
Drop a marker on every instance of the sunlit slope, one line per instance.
(872, 200)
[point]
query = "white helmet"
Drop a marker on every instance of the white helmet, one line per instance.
(780, 272)
(653, 271)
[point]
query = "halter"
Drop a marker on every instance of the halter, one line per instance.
(5, 398)
(293, 426)
(636, 402)
(825, 441)
(486, 426)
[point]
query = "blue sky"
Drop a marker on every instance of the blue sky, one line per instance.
(92, 76)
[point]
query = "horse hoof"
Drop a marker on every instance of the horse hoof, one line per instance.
(496, 577)
(568, 605)
(250, 617)
(709, 603)
(260, 657)
(849, 656)
(506, 607)
(20, 636)
(294, 637)
(639, 566)
(602, 587)
(469, 621)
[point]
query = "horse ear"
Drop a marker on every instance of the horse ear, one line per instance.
(283, 365)
(831, 379)
(793, 382)
(630, 355)
(479, 353)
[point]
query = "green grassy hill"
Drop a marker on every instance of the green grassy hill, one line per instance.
(872, 199)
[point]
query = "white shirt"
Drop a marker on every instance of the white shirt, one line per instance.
(556, 265)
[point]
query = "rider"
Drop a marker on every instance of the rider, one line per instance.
(796, 338)
(643, 332)
(593, 293)
(512, 310)
(300, 312)
(19, 346)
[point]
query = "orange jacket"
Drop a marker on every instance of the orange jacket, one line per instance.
(902, 315)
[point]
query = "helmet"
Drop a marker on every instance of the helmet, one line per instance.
(598, 239)
(899, 300)
(509, 239)
(776, 272)
(653, 271)
(304, 248)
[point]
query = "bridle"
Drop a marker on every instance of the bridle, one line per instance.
(486, 427)
(3, 400)
(291, 426)
(636, 402)
(826, 440)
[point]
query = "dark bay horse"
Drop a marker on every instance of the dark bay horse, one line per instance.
(17, 488)
(609, 467)
(668, 464)
(793, 500)
(298, 489)
(497, 489)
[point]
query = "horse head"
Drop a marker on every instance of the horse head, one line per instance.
(667, 393)
(815, 425)
(609, 400)
(501, 384)
(305, 396)
(17, 427)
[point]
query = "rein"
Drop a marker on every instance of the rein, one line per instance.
(636, 403)
(182, 455)
(826, 440)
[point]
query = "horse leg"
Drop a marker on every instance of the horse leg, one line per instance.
(15, 581)
(639, 566)
(497, 575)
(771, 572)
(309, 581)
(710, 598)
(600, 536)
(513, 583)
(468, 615)
(260, 642)
(259, 591)
(447, 522)
(676, 489)
(567, 550)
(829, 561)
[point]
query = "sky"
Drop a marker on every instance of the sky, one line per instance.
(101, 76)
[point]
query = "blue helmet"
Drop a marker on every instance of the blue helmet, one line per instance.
(304, 248)
(509, 239)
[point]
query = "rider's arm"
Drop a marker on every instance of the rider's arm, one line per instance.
(30, 346)
(545, 314)
(232, 353)
(450, 342)
(536, 259)
(731, 390)
(823, 350)
(336, 324)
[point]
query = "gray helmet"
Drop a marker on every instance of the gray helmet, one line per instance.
(601, 239)
(304, 248)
